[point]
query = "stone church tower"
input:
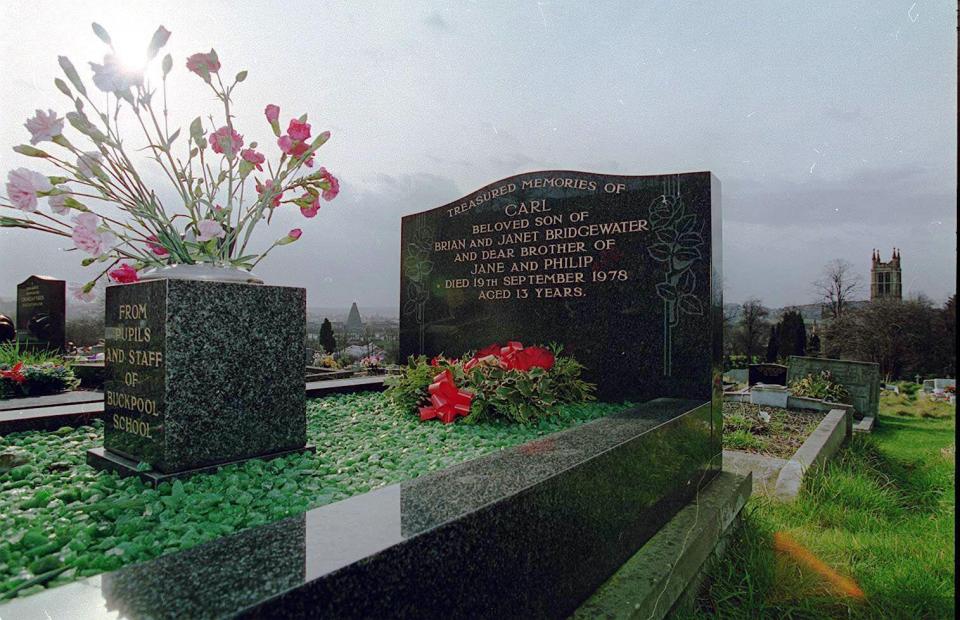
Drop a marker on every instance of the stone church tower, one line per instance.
(885, 278)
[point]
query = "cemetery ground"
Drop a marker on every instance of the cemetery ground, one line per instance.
(871, 534)
(61, 520)
(780, 435)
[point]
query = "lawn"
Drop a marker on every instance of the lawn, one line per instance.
(870, 536)
(61, 520)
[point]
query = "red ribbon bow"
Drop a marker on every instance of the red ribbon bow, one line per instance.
(447, 401)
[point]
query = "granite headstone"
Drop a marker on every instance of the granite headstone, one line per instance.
(771, 374)
(622, 271)
(41, 312)
(202, 373)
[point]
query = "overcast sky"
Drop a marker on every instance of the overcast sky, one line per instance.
(831, 125)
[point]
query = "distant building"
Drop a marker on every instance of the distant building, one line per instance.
(354, 322)
(886, 281)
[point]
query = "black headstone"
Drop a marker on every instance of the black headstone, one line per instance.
(772, 374)
(622, 271)
(41, 312)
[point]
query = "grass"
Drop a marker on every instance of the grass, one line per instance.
(781, 436)
(61, 520)
(11, 353)
(870, 536)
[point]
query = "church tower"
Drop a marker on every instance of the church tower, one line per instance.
(885, 278)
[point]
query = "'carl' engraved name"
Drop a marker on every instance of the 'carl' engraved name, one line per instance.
(137, 366)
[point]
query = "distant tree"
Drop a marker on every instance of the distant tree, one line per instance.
(730, 313)
(901, 336)
(773, 345)
(792, 334)
(947, 338)
(753, 325)
(327, 340)
(837, 286)
(813, 345)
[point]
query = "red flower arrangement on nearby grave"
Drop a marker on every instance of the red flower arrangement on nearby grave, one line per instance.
(15, 374)
(513, 382)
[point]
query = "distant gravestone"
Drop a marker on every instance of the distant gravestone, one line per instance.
(41, 312)
(622, 271)
(862, 379)
(771, 374)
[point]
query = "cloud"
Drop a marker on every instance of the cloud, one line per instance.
(902, 195)
(842, 114)
(436, 21)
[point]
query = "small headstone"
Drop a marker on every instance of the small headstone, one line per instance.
(770, 374)
(41, 312)
(622, 271)
(201, 373)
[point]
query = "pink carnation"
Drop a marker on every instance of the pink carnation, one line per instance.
(22, 188)
(87, 238)
(204, 64)
(210, 229)
(58, 202)
(330, 194)
(268, 188)
(310, 211)
(226, 141)
(298, 130)
(294, 148)
(253, 157)
(44, 126)
(80, 292)
(124, 274)
(154, 244)
(272, 112)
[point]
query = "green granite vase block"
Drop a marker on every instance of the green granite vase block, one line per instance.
(200, 373)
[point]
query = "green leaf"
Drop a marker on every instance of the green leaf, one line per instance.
(62, 87)
(101, 32)
(30, 151)
(73, 203)
(158, 40)
(71, 73)
(175, 135)
(241, 76)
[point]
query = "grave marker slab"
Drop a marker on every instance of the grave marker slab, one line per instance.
(622, 271)
(770, 374)
(41, 312)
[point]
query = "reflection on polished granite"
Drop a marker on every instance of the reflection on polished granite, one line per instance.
(530, 531)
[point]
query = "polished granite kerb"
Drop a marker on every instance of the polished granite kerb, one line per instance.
(531, 531)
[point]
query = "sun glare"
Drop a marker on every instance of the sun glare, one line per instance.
(130, 38)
